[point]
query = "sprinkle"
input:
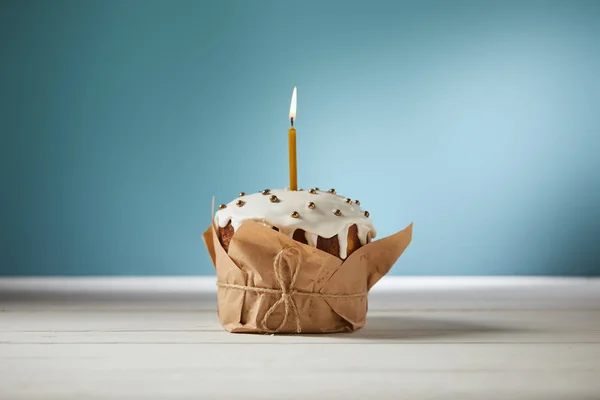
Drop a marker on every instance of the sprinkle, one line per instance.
(266, 191)
(348, 201)
(357, 202)
(241, 194)
(240, 203)
(311, 205)
(273, 199)
(337, 213)
(222, 206)
(295, 214)
(367, 214)
(332, 191)
(312, 191)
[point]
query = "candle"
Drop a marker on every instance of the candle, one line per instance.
(292, 144)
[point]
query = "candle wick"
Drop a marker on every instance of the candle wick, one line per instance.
(292, 121)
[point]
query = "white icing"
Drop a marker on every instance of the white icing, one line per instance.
(363, 234)
(319, 221)
(343, 243)
(311, 239)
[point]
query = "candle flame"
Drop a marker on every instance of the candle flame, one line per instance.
(293, 106)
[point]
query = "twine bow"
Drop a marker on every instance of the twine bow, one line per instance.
(286, 266)
(286, 278)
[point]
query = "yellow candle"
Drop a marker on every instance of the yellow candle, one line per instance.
(292, 145)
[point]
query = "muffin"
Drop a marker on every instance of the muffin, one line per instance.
(321, 219)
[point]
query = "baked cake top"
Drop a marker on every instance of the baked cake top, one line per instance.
(318, 213)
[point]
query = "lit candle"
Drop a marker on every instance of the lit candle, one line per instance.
(292, 144)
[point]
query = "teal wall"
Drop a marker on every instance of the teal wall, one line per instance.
(479, 121)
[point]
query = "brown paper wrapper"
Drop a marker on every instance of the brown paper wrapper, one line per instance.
(271, 283)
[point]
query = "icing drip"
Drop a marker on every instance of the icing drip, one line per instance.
(363, 234)
(343, 239)
(311, 238)
(322, 219)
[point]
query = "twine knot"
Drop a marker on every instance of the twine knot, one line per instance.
(286, 265)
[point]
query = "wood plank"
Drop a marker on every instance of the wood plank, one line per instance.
(391, 327)
(174, 320)
(358, 339)
(300, 371)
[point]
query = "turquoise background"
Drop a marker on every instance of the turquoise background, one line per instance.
(477, 120)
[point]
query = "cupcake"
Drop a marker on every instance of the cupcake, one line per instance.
(321, 219)
(297, 261)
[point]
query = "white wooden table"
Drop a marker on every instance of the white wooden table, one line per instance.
(426, 338)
